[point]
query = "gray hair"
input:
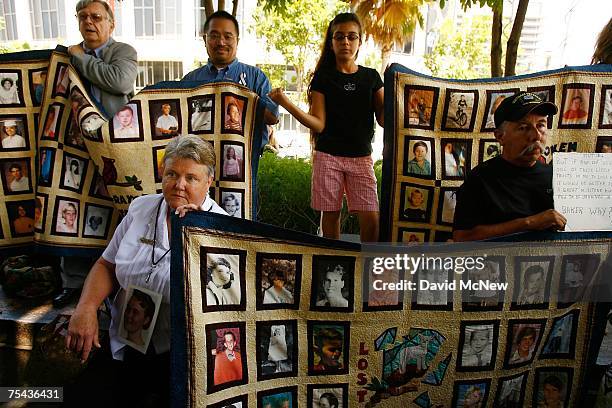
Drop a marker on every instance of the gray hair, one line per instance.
(194, 148)
(501, 129)
(84, 3)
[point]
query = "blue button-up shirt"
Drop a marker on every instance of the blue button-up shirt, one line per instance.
(243, 74)
(94, 90)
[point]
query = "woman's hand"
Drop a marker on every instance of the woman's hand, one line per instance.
(181, 210)
(83, 332)
(277, 95)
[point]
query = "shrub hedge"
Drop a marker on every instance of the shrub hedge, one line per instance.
(284, 195)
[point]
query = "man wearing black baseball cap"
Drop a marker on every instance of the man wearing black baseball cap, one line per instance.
(512, 192)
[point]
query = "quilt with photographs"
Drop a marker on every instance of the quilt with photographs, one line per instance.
(267, 317)
(69, 173)
(440, 129)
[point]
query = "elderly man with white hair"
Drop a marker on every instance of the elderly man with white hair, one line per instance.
(111, 68)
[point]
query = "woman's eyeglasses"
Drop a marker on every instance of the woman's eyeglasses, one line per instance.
(95, 17)
(350, 36)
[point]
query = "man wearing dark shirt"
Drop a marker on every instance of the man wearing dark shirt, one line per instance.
(513, 192)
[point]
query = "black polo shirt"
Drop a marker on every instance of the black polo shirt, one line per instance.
(497, 191)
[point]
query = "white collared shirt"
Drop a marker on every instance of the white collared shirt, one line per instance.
(132, 260)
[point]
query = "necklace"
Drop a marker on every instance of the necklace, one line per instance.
(153, 261)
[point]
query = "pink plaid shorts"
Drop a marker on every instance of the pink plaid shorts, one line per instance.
(332, 176)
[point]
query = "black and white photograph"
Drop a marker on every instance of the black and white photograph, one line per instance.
(428, 294)
(11, 90)
(223, 279)
(478, 340)
(74, 170)
(165, 117)
(138, 316)
(459, 110)
(532, 277)
(576, 273)
(277, 349)
(201, 114)
(278, 277)
(97, 221)
(232, 201)
(14, 133)
(241, 401)
(379, 297)
(511, 391)
(327, 395)
(332, 283)
(483, 299)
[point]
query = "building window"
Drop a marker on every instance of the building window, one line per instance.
(152, 72)
(157, 18)
(118, 12)
(200, 14)
(7, 11)
(48, 19)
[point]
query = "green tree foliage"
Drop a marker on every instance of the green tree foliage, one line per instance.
(11, 46)
(283, 186)
(296, 31)
(461, 52)
(512, 45)
(388, 22)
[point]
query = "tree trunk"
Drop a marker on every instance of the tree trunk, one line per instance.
(385, 55)
(515, 37)
(209, 7)
(234, 7)
(496, 48)
(221, 5)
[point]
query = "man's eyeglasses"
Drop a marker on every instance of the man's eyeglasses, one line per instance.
(216, 37)
(350, 36)
(95, 17)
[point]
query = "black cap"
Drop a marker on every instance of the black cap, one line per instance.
(517, 106)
